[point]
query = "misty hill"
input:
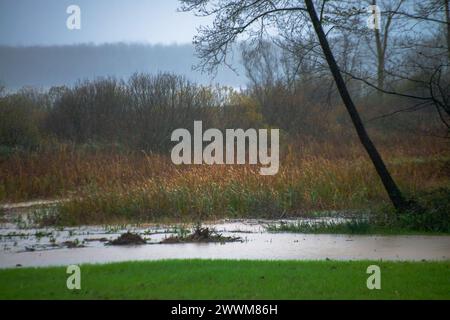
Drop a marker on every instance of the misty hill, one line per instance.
(45, 66)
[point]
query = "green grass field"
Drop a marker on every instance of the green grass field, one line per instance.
(224, 279)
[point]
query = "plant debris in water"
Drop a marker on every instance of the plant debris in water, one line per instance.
(96, 239)
(200, 235)
(73, 244)
(128, 239)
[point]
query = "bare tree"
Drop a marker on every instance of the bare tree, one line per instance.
(255, 18)
(418, 61)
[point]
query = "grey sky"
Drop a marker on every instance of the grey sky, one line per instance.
(43, 22)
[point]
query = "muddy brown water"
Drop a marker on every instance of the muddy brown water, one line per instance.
(257, 244)
(30, 247)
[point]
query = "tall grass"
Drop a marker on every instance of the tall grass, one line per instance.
(62, 170)
(106, 186)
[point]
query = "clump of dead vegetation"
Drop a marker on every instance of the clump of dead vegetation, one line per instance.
(127, 239)
(200, 234)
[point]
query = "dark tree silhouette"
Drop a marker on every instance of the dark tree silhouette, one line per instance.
(393, 191)
(236, 18)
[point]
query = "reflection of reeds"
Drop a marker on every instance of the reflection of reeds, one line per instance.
(114, 186)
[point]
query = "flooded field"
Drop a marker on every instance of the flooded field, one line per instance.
(24, 246)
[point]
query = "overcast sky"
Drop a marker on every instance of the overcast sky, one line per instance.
(43, 22)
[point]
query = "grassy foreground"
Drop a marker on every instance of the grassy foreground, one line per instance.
(225, 279)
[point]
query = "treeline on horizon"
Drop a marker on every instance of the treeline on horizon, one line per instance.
(142, 112)
(288, 89)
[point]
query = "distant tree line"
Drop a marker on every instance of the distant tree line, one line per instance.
(142, 112)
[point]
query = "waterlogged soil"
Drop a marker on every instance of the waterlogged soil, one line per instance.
(25, 246)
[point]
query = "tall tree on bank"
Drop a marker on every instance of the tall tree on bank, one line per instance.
(234, 18)
(381, 42)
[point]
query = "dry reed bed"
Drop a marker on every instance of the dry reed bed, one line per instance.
(108, 186)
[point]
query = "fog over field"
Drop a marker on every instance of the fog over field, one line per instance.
(46, 66)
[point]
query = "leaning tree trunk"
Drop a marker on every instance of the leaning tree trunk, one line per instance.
(393, 191)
